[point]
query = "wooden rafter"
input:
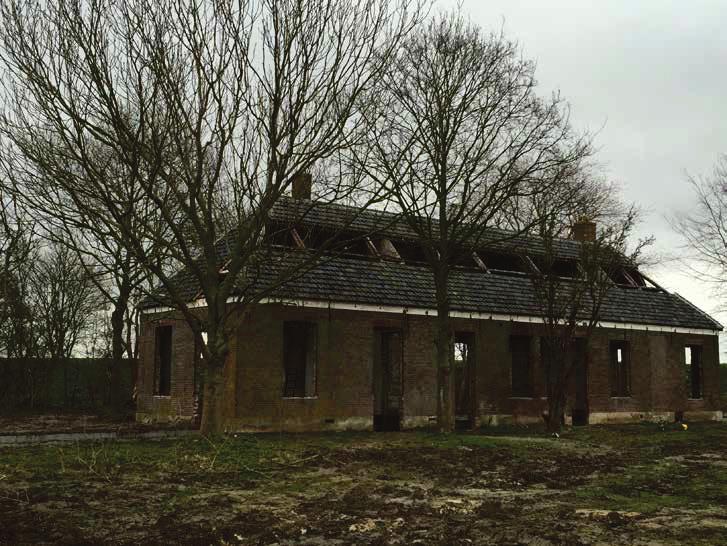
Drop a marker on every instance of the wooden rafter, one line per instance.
(371, 247)
(479, 262)
(629, 278)
(297, 238)
(531, 264)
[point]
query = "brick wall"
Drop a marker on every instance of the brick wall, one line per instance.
(180, 402)
(344, 392)
(640, 357)
(420, 371)
(657, 371)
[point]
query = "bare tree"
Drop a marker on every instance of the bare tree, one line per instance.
(585, 194)
(704, 227)
(460, 135)
(571, 307)
(64, 300)
(74, 208)
(211, 108)
(18, 252)
(97, 341)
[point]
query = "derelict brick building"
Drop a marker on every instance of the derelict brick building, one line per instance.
(349, 344)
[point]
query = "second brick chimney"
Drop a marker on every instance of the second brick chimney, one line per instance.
(302, 186)
(584, 230)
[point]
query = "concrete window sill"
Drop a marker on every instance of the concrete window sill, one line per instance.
(300, 398)
(162, 396)
(695, 399)
(621, 397)
(521, 398)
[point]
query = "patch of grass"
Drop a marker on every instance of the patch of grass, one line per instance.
(641, 501)
(656, 439)
(659, 484)
(328, 478)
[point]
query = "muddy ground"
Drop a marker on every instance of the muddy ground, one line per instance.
(638, 484)
(55, 423)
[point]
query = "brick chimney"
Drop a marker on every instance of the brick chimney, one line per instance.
(302, 186)
(584, 230)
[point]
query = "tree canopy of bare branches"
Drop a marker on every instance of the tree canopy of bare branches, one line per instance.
(47, 298)
(64, 300)
(571, 307)
(174, 126)
(584, 194)
(69, 204)
(18, 250)
(704, 227)
(461, 135)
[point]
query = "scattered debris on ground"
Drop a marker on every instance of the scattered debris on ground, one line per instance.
(635, 484)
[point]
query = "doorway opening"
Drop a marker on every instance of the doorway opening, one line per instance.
(387, 380)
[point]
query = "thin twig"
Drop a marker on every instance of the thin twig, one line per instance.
(299, 461)
(254, 471)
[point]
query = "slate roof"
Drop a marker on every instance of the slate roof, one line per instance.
(348, 279)
(353, 280)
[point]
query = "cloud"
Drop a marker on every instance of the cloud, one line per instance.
(648, 77)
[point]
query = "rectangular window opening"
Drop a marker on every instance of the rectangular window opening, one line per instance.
(693, 360)
(300, 354)
(620, 367)
(387, 379)
(204, 345)
(163, 383)
(461, 352)
(522, 377)
(502, 262)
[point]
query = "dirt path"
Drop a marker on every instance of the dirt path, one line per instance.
(68, 423)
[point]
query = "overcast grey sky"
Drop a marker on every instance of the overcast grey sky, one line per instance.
(649, 77)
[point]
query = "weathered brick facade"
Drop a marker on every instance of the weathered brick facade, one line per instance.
(180, 402)
(346, 346)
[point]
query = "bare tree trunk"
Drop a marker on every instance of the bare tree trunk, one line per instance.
(560, 370)
(212, 402)
(117, 346)
(445, 385)
(445, 356)
(213, 388)
(556, 411)
(555, 386)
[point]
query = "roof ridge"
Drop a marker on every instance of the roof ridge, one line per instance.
(288, 201)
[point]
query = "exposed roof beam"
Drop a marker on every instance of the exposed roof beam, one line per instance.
(371, 247)
(629, 278)
(653, 283)
(479, 262)
(530, 263)
(296, 238)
